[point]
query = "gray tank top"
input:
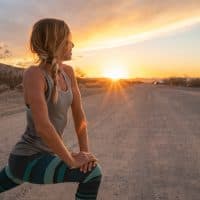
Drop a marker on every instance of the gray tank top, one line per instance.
(30, 142)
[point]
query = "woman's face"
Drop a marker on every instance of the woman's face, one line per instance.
(68, 48)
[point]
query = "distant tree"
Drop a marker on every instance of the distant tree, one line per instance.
(79, 72)
(4, 51)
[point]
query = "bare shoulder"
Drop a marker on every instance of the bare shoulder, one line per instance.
(29, 71)
(33, 74)
(32, 70)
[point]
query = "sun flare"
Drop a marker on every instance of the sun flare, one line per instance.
(115, 73)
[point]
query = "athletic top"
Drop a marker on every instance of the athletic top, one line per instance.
(30, 142)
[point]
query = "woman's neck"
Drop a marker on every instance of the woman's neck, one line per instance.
(47, 66)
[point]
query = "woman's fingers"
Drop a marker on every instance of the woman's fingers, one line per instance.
(88, 166)
(89, 156)
(94, 163)
(81, 168)
(85, 167)
(92, 157)
(90, 161)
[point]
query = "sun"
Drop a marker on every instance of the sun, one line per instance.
(115, 73)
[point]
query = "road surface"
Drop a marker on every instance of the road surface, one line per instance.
(147, 140)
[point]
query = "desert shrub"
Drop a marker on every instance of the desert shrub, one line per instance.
(176, 81)
(179, 81)
(194, 82)
(10, 76)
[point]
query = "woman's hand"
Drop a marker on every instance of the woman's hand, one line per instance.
(88, 166)
(82, 158)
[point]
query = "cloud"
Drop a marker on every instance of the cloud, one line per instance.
(92, 21)
(143, 36)
(134, 18)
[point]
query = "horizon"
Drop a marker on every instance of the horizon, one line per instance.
(134, 39)
(117, 79)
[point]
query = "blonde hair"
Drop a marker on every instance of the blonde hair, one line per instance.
(48, 40)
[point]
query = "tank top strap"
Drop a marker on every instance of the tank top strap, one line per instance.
(67, 79)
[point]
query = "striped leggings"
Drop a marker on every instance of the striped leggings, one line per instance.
(44, 168)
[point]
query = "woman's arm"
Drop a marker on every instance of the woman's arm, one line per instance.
(80, 121)
(34, 88)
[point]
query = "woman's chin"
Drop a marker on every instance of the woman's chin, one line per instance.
(67, 58)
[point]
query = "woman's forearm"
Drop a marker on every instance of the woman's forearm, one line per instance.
(50, 136)
(83, 139)
(80, 123)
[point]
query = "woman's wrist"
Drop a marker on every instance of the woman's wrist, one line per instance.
(69, 159)
(85, 149)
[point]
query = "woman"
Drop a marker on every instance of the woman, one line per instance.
(50, 88)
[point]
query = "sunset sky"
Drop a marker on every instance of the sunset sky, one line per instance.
(136, 38)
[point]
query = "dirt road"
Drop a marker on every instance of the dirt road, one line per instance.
(146, 137)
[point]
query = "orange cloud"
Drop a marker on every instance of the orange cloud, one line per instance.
(129, 19)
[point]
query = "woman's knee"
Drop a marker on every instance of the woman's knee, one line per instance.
(99, 169)
(95, 174)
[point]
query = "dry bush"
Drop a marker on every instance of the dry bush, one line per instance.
(194, 82)
(179, 81)
(10, 76)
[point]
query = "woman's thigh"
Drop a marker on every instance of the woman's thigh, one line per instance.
(44, 168)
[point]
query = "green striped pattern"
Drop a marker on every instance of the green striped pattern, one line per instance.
(94, 173)
(85, 196)
(49, 172)
(29, 169)
(8, 173)
(61, 173)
